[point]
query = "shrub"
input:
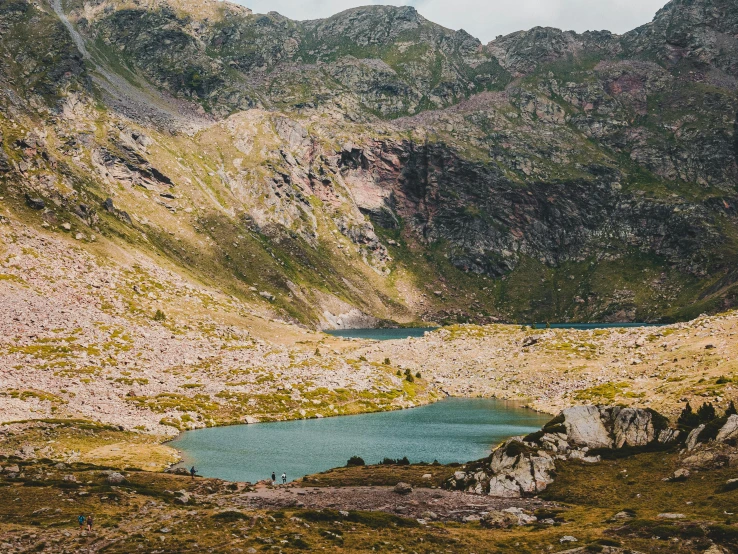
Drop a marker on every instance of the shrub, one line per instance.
(355, 461)
(706, 413)
(731, 410)
(159, 316)
(711, 430)
(398, 462)
(659, 422)
(688, 419)
(417, 375)
(534, 437)
(558, 420)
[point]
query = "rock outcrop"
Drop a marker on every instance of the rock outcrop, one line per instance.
(524, 466)
(729, 432)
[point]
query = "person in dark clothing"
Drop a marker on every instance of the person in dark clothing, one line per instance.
(274, 478)
(89, 523)
(193, 471)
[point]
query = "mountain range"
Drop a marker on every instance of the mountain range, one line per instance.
(374, 167)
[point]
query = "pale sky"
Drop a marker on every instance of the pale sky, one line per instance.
(487, 19)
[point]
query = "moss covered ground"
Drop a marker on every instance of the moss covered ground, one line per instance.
(40, 503)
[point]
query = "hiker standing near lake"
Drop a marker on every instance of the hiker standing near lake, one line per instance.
(193, 471)
(284, 478)
(274, 478)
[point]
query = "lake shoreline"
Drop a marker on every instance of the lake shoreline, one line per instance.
(451, 430)
(517, 404)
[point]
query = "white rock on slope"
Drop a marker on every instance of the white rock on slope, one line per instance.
(692, 438)
(584, 427)
(729, 431)
(633, 427)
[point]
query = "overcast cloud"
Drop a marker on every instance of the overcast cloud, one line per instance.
(485, 19)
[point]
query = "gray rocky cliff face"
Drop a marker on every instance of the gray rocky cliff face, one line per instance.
(491, 222)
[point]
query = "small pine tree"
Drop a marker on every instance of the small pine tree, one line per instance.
(387, 361)
(417, 375)
(688, 419)
(548, 325)
(355, 461)
(731, 410)
(159, 316)
(317, 351)
(706, 413)
(399, 373)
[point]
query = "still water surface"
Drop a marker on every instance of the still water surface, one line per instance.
(394, 334)
(452, 430)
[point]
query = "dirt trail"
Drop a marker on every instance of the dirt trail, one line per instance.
(141, 103)
(445, 505)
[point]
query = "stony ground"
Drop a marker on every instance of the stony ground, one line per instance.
(550, 369)
(80, 338)
(423, 503)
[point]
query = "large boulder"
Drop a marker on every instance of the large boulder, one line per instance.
(498, 520)
(115, 478)
(729, 431)
(692, 438)
(633, 427)
(504, 486)
(519, 470)
(584, 427)
(403, 488)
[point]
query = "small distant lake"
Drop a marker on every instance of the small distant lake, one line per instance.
(381, 334)
(395, 334)
(452, 430)
(585, 326)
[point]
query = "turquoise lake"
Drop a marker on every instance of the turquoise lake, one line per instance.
(452, 430)
(395, 334)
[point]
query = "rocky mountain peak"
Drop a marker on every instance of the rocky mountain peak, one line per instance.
(547, 160)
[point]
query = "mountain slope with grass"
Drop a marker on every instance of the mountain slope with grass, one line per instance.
(376, 167)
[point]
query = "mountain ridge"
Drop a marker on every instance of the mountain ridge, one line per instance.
(379, 158)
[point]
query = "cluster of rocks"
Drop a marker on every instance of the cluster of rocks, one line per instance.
(526, 465)
(709, 450)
